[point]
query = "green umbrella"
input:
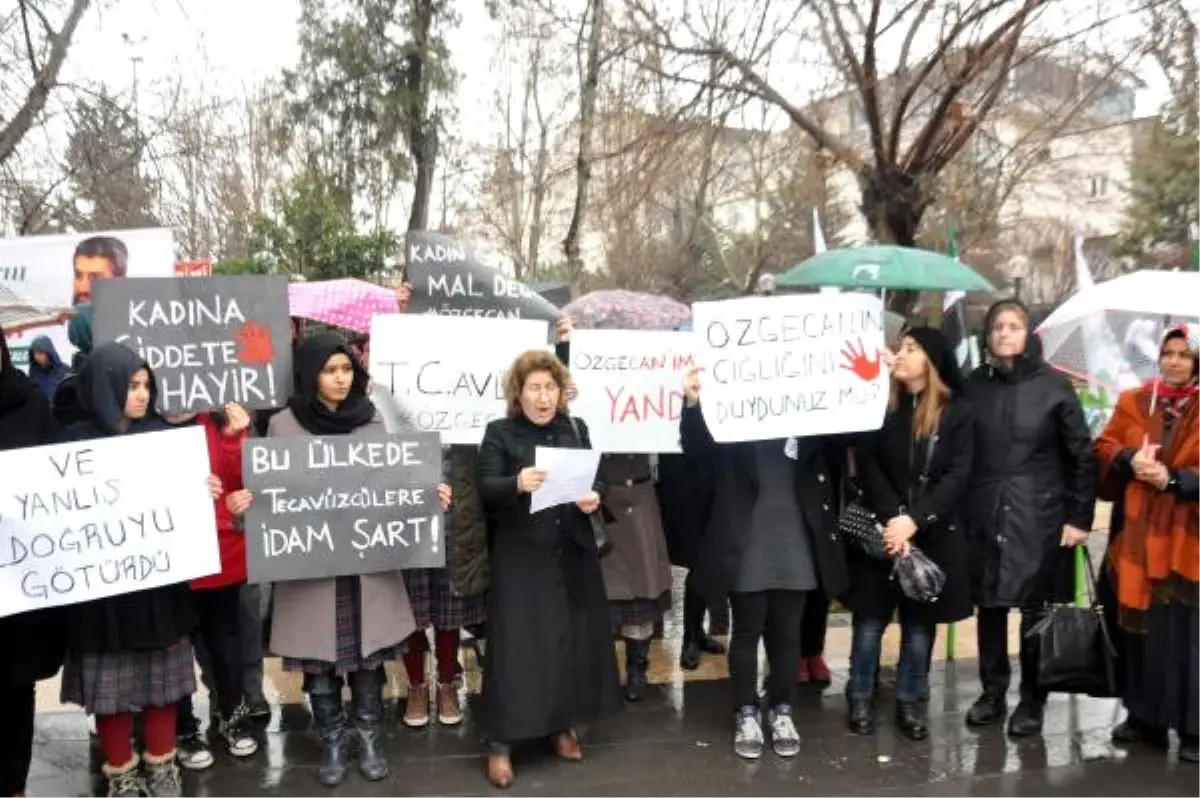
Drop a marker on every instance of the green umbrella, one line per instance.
(885, 267)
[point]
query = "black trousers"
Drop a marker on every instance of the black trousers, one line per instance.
(16, 735)
(219, 611)
(694, 607)
(772, 616)
(813, 624)
(995, 672)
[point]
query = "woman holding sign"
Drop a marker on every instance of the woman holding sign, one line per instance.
(915, 471)
(36, 637)
(771, 540)
(550, 663)
(343, 628)
(129, 653)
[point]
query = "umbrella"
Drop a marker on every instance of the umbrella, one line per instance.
(18, 314)
(341, 303)
(1109, 334)
(885, 267)
(627, 310)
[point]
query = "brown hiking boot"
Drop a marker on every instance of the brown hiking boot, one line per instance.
(416, 708)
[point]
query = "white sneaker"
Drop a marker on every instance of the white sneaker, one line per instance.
(747, 734)
(784, 737)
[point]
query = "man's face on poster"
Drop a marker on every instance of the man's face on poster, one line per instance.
(87, 269)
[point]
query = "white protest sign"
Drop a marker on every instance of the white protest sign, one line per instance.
(83, 521)
(799, 365)
(630, 387)
(447, 372)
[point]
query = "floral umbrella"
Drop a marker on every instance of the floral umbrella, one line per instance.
(618, 309)
(341, 303)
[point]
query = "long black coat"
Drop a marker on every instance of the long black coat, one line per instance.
(890, 466)
(685, 499)
(550, 662)
(817, 474)
(1034, 472)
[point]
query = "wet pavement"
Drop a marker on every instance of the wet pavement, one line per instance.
(678, 742)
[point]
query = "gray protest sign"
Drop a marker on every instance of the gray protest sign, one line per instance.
(209, 340)
(452, 278)
(342, 506)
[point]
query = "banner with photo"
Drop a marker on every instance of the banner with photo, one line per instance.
(43, 277)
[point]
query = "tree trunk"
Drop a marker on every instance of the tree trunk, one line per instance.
(589, 82)
(893, 204)
(423, 130)
(540, 167)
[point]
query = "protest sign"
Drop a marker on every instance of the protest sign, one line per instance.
(452, 278)
(82, 521)
(53, 273)
(342, 506)
(209, 340)
(791, 366)
(448, 373)
(630, 387)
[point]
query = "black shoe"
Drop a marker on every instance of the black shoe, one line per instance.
(329, 717)
(1026, 720)
(1130, 732)
(257, 706)
(710, 645)
(1189, 748)
(689, 655)
(910, 720)
(988, 710)
(637, 662)
(861, 718)
(366, 695)
(234, 730)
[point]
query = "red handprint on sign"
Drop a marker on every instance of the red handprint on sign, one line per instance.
(865, 368)
(254, 344)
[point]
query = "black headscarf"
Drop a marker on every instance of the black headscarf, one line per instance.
(311, 355)
(940, 355)
(104, 387)
(1029, 361)
(24, 409)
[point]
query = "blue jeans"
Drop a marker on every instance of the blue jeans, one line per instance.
(912, 672)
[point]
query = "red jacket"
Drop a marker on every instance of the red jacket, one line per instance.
(225, 460)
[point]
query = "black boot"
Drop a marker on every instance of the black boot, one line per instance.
(861, 718)
(911, 721)
(366, 695)
(329, 716)
(1189, 748)
(637, 661)
(1026, 720)
(990, 708)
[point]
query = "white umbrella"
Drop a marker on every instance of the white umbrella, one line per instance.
(1148, 292)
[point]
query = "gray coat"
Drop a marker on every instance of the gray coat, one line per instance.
(638, 566)
(304, 624)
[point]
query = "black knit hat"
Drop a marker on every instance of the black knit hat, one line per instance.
(941, 357)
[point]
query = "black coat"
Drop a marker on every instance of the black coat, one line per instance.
(684, 489)
(35, 641)
(550, 662)
(890, 467)
(817, 474)
(1034, 472)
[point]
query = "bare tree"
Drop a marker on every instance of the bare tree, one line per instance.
(594, 21)
(895, 129)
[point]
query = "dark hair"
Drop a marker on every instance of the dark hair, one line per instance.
(110, 248)
(527, 363)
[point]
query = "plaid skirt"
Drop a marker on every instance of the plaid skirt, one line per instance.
(434, 604)
(108, 684)
(349, 638)
(635, 612)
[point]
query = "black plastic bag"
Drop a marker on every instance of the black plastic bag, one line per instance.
(1075, 650)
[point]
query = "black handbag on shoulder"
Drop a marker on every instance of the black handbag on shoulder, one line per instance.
(603, 545)
(1075, 649)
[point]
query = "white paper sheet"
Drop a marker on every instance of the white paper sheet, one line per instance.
(570, 474)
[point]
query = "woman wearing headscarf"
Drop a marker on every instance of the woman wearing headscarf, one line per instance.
(915, 471)
(45, 366)
(1032, 496)
(771, 539)
(1149, 455)
(131, 653)
(65, 401)
(347, 627)
(550, 664)
(34, 640)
